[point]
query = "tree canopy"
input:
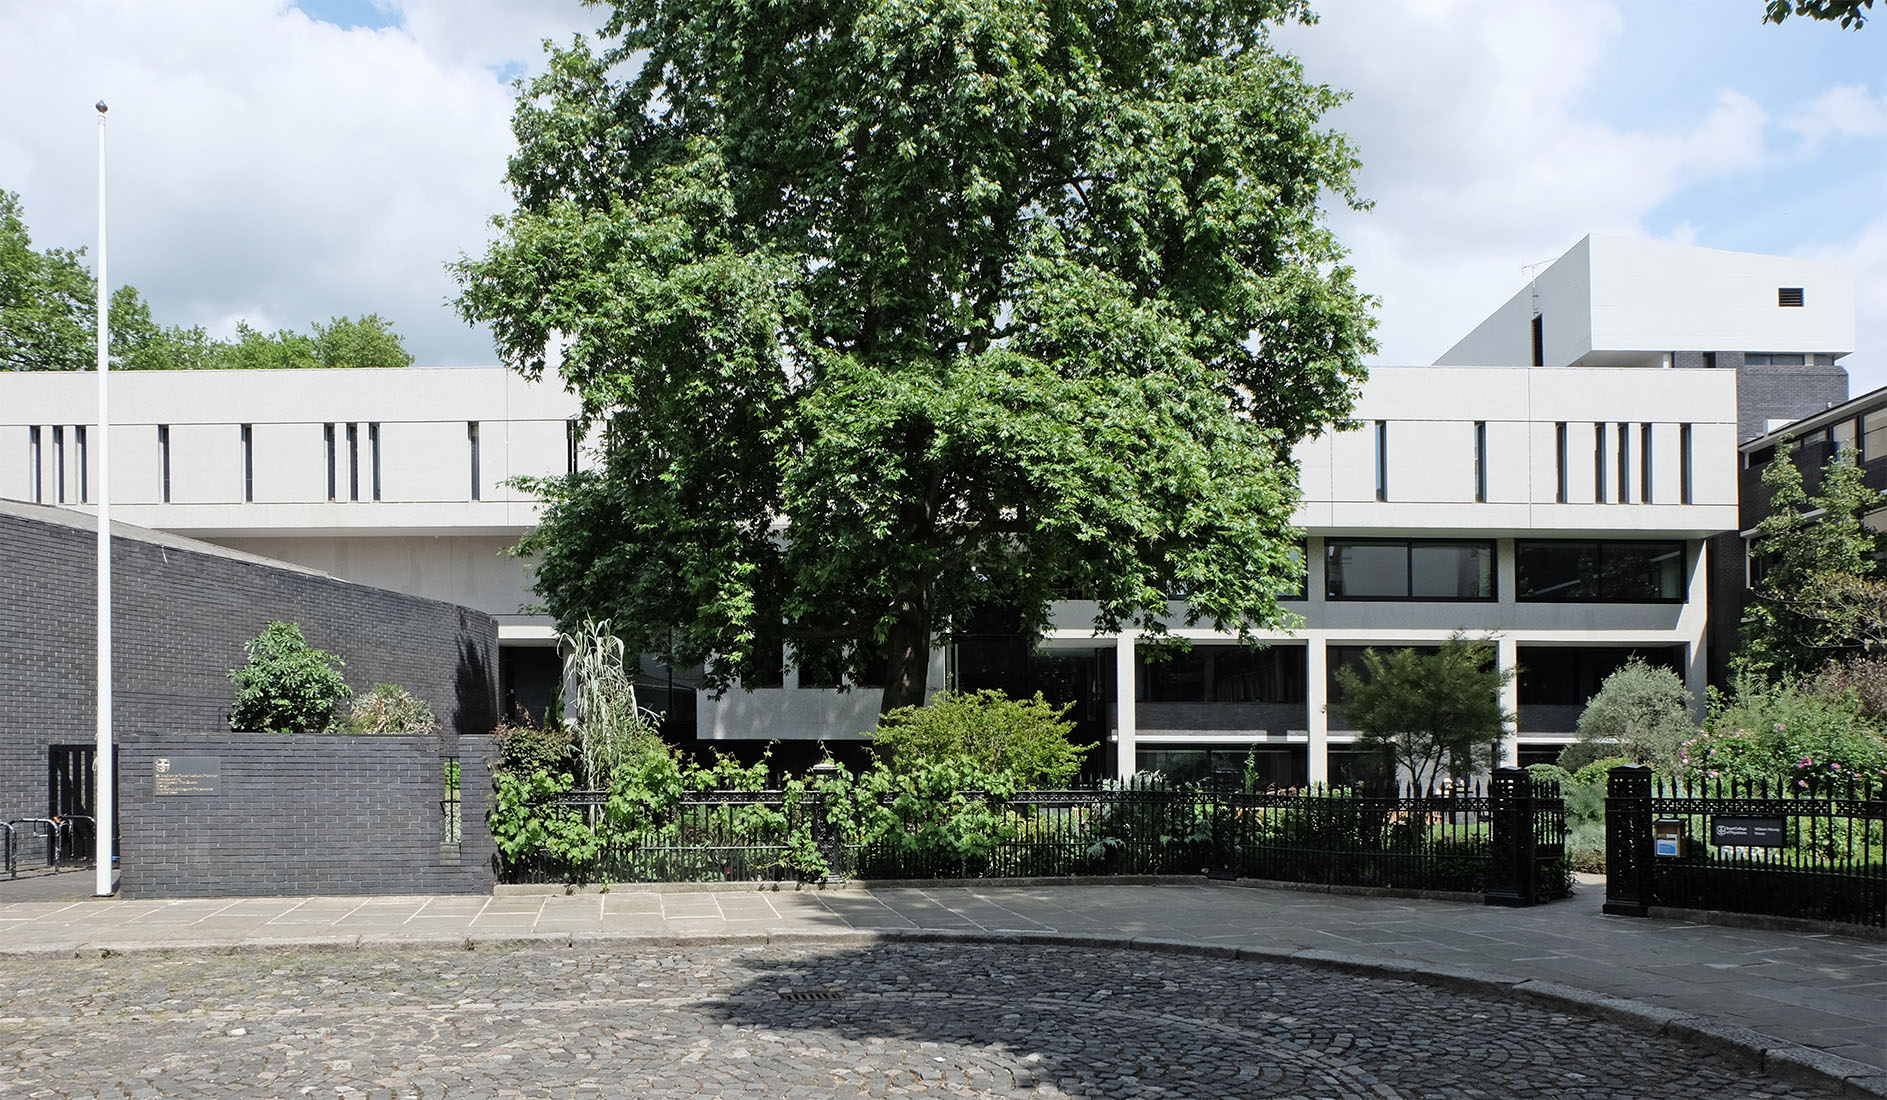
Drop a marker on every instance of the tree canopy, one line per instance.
(1819, 598)
(49, 321)
(890, 312)
(1850, 13)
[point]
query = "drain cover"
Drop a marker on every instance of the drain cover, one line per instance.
(813, 995)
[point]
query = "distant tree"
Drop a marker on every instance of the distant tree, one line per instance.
(49, 321)
(1641, 711)
(1819, 600)
(1429, 713)
(1848, 12)
(46, 306)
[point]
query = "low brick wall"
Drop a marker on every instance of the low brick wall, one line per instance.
(231, 814)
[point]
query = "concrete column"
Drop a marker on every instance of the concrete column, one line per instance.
(1507, 657)
(1695, 622)
(1316, 695)
(1126, 715)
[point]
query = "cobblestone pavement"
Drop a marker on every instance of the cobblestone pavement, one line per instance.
(967, 1020)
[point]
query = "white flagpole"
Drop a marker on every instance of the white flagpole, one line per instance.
(104, 772)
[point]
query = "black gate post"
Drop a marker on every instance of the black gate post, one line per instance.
(1510, 880)
(1224, 863)
(821, 774)
(1628, 851)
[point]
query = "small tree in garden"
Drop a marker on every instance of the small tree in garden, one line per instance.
(1642, 712)
(614, 731)
(1428, 713)
(1025, 740)
(288, 685)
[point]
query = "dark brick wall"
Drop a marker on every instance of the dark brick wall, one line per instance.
(180, 619)
(304, 814)
(1782, 393)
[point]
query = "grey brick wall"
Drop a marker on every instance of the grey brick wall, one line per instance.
(182, 612)
(304, 814)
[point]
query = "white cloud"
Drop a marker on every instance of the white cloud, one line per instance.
(268, 166)
(1480, 156)
(1845, 111)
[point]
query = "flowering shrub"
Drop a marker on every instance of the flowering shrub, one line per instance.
(1786, 733)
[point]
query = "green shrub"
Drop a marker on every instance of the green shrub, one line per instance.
(288, 685)
(1025, 741)
(1642, 712)
(524, 748)
(390, 708)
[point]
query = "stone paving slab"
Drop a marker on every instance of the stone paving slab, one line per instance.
(1804, 992)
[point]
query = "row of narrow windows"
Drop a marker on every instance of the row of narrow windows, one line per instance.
(1622, 473)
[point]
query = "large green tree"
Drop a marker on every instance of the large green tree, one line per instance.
(891, 310)
(49, 321)
(1820, 597)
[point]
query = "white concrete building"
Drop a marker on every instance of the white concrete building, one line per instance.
(1562, 506)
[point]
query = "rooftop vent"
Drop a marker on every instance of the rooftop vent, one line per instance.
(1789, 296)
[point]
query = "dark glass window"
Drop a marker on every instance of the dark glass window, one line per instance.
(1571, 675)
(1683, 463)
(1417, 569)
(1480, 461)
(1559, 494)
(819, 671)
(1571, 571)
(1226, 674)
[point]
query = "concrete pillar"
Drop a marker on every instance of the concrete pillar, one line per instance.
(1316, 695)
(1126, 714)
(1695, 622)
(1506, 658)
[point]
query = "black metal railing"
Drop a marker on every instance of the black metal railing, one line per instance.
(1811, 848)
(1450, 839)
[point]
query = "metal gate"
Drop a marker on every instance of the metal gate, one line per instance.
(72, 796)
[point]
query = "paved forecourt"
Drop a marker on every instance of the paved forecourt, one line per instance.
(1813, 1002)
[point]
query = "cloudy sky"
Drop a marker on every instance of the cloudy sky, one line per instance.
(285, 162)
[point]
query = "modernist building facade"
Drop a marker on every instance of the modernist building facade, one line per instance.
(1555, 481)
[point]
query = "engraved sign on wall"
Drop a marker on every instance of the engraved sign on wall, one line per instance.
(178, 775)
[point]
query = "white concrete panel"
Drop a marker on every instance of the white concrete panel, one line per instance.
(1510, 462)
(429, 461)
(529, 447)
(473, 571)
(135, 469)
(1431, 461)
(1653, 294)
(205, 464)
(291, 463)
(16, 462)
(1353, 464)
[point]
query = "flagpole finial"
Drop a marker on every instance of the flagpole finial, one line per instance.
(101, 107)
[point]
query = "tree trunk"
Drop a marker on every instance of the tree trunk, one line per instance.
(907, 659)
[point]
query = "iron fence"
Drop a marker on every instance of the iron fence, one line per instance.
(1442, 840)
(1810, 848)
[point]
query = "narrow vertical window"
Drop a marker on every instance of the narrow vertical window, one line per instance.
(572, 437)
(353, 462)
(373, 456)
(327, 439)
(1624, 463)
(248, 463)
(1598, 463)
(84, 475)
(1683, 464)
(36, 463)
(1480, 461)
(1644, 463)
(1382, 460)
(59, 463)
(1561, 456)
(163, 463)
(471, 435)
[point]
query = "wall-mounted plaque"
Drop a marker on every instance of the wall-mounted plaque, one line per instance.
(175, 775)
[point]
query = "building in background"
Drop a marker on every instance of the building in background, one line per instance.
(1565, 478)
